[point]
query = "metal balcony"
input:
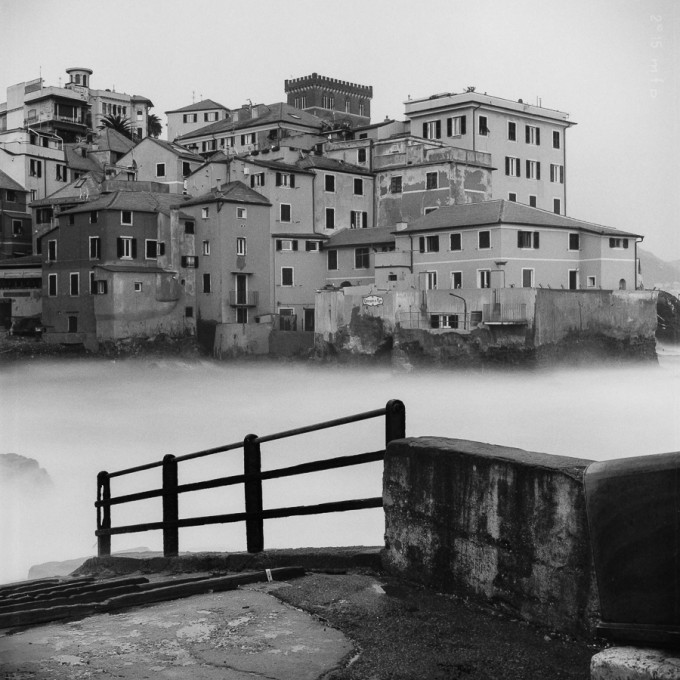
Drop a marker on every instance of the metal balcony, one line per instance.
(240, 298)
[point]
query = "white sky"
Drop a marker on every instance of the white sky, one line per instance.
(595, 59)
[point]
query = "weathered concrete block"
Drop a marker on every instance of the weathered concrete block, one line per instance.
(507, 524)
(632, 663)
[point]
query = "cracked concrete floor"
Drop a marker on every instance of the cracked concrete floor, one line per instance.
(235, 635)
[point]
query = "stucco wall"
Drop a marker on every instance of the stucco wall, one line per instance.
(237, 339)
(505, 524)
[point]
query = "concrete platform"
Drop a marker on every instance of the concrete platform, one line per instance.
(235, 635)
(634, 663)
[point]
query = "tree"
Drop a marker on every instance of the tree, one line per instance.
(118, 123)
(154, 126)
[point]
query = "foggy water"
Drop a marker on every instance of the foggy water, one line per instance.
(79, 417)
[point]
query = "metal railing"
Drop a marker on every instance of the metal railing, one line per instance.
(252, 478)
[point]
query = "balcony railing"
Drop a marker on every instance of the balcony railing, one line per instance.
(242, 298)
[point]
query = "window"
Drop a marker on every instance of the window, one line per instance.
(395, 184)
(284, 212)
(190, 118)
(361, 155)
(327, 102)
(51, 251)
(432, 130)
(431, 180)
(240, 246)
(428, 210)
(456, 241)
(285, 179)
(428, 244)
(532, 201)
(512, 197)
(300, 102)
(312, 246)
(484, 240)
(456, 126)
(74, 284)
(11, 196)
(35, 168)
(61, 174)
(556, 139)
(242, 213)
(72, 322)
(189, 227)
(71, 219)
(591, 282)
(189, 312)
(512, 166)
(95, 248)
(52, 285)
(532, 135)
(127, 248)
(94, 217)
(189, 261)
(126, 217)
(456, 280)
(484, 278)
(17, 228)
(512, 131)
(329, 183)
(358, 219)
(257, 179)
(533, 170)
(286, 276)
(241, 315)
(557, 206)
(210, 117)
(205, 213)
(443, 320)
(186, 168)
(483, 126)
(330, 218)
(557, 173)
(138, 286)
(361, 258)
(286, 244)
(358, 186)
(93, 284)
(527, 239)
(150, 249)
(206, 247)
(574, 241)
(248, 139)
(160, 169)
(362, 109)
(207, 283)
(527, 278)
(618, 243)
(430, 280)
(573, 279)
(332, 260)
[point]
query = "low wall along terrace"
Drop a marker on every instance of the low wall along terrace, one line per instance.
(505, 524)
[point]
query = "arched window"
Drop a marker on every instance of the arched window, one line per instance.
(622, 284)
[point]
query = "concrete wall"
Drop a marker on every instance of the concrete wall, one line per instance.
(505, 524)
(236, 339)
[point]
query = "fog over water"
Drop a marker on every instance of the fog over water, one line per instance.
(79, 417)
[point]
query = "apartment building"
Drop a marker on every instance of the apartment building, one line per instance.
(193, 117)
(527, 143)
(15, 220)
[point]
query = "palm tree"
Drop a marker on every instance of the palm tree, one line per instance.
(118, 123)
(154, 126)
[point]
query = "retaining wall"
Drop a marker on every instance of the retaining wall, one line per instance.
(505, 524)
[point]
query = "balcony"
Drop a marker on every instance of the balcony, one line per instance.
(505, 314)
(242, 298)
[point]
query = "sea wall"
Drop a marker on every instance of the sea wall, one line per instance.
(504, 524)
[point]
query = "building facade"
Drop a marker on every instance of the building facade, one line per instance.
(194, 117)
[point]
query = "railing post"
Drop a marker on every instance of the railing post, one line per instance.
(170, 507)
(252, 465)
(103, 513)
(395, 420)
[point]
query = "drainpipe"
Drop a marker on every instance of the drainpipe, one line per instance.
(474, 127)
(564, 144)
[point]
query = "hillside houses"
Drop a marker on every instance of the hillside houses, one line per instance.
(231, 227)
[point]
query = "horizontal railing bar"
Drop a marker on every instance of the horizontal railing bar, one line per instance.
(302, 468)
(322, 508)
(322, 426)
(266, 438)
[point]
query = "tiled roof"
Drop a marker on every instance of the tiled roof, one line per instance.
(273, 113)
(111, 139)
(324, 163)
(277, 165)
(81, 189)
(26, 261)
(360, 237)
(179, 151)
(233, 192)
(137, 269)
(506, 212)
(6, 182)
(76, 161)
(200, 106)
(140, 201)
